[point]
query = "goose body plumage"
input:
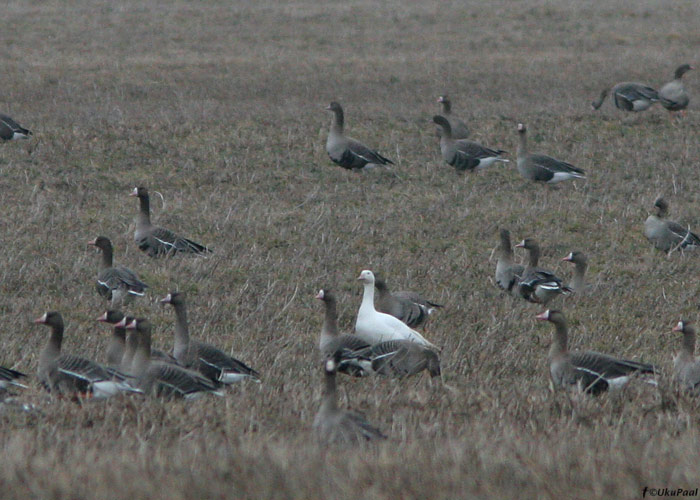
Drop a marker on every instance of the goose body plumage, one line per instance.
(543, 168)
(10, 130)
(464, 155)
(673, 96)
(629, 96)
(667, 235)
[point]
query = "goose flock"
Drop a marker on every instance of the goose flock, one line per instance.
(385, 341)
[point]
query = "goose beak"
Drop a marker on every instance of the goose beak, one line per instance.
(166, 299)
(41, 319)
(130, 326)
(328, 108)
(92, 242)
(135, 192)
(521, 244)
(678, 327)
(102, 318)
(319, 295)
(568, 258)
(122, 323)
(544, 316)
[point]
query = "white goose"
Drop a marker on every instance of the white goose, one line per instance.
(373, 326)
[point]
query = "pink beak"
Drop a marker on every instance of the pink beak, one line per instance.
(544, 316)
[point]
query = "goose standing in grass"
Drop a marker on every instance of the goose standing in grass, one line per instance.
(9, 378)
(536, 284)
(10, 130)
(665, 234)
(160, 379)
(157, 241)
(588, 371)
(70, 375)
(333, 425)
(628, 96)
(409, 307)
(373, 326)
(543, 168)
(673, 95)
(204, 358)
(117, 284)
(352, 350)
(403, 358)
(508, 274)
(686, 368)
(346, 152)
(462, 154)
(458, 127)
(580, 262)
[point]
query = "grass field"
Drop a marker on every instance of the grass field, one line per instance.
(219, 106)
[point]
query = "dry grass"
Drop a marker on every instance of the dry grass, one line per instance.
(220, 108)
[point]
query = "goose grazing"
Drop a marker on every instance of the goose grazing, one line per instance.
(536, 284)
(665, 234)
(120, 351)
(157, 241)
(409, 307)
(403, 358)
(543, 168)
(580, 262)
(508, 274)
(333, 425)
(458, 127)
(160, 379)
(9, 377)
(686, 368)
(589, 371)
(629, 96)
(10, 130)
(346, 152)
(673, 95)
(67, 374)
(351, 348)
(117, 284)
(462, 154)
(373, 326)
(204, 358)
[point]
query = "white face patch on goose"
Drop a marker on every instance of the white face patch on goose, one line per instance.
(330, 365)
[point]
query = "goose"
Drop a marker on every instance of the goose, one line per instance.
(589, 371)
(536, 284)
(160, 379)
(157, 241)
(333, 425)
(373, 326)
(543, 168)
(462, 154)
(508, 274)
(580, 262)
(458, 127)
(686, 368)
(204, 358)
(120, 351)
(665, 234)
(403, 358)
(353, 358)
(9, 377)
(409, 307)
(117, 284)
(673, 95)
(10, 130)
(346, 152)
(67, 374)
(629, 96)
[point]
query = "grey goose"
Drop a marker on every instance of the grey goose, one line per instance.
(580, 262)
(117, 284)
(353, 358)
(686, 368)
(345, 151)
(673, 96)
(10, 130)
(464, 155)
(164, 380)
(403, 358)
(74, 376)
(628, 96)
(409, 307)
(157, 241)
(458, 127)
(536, 284)
(665, 234)
(204, 358)
(333, 425)
(588, 371)
(543, 168)
(508, 274)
